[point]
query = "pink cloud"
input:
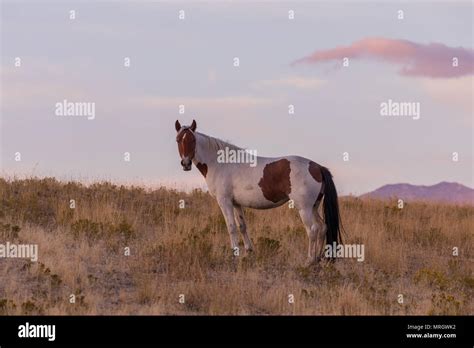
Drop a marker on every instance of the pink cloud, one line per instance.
(433, 60)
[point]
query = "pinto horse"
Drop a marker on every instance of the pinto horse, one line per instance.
(269, 183)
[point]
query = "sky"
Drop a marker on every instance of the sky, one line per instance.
(335, 62)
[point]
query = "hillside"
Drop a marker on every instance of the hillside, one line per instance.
(442, 192)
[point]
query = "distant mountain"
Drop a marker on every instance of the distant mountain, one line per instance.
(443, 192)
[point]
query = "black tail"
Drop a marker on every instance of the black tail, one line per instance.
(331, 209)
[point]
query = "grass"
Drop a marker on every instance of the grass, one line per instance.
(177, 254)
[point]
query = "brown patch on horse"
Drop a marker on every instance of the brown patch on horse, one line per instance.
(315, 171)
(275, 182)
(186, 143)
(202, 168)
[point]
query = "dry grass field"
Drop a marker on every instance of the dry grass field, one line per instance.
(186, 251)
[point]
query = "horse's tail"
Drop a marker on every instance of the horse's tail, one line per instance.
(332, 217)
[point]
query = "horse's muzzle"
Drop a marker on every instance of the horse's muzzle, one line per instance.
(186, 165)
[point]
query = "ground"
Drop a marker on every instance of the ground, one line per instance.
(180, 260)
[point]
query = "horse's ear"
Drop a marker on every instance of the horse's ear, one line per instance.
(177, 125)
(193, 126)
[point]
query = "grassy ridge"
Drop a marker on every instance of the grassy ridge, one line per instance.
(186, 252)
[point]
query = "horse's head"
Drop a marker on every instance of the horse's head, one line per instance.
(186, 143)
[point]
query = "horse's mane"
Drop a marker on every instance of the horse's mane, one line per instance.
(216, 144)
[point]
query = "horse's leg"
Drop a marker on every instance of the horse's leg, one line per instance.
(239, 217)
(320, 231)
(306, 214)
(227, 209)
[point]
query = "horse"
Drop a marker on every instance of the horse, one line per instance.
(265, 183)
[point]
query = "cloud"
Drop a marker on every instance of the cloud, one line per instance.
(456, 93)
(37, 82)
(434, 60)
(291, 82)
(220, 103)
